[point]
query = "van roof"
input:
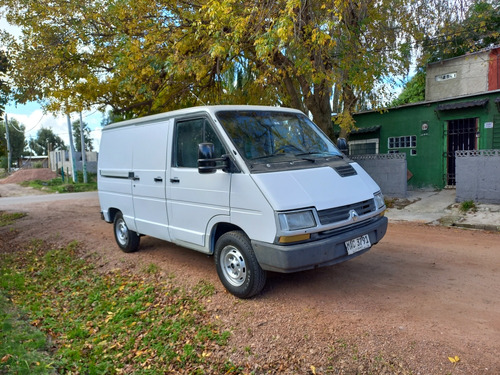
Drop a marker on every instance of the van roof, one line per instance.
(196, 110)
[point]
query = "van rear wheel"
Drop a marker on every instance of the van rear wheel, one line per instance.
(237, 266)
(126, 239)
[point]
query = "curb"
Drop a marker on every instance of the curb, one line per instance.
(486, 227)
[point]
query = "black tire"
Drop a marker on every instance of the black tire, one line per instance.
(237, 267)
(127, 239)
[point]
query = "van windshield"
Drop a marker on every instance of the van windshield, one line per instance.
(268, 134)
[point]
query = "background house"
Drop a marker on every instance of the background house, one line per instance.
(61, 159)
(461, 113)
(33, 162)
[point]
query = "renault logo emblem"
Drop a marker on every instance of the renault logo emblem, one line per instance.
(353, 215)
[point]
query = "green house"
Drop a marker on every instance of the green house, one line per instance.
(430, 133)
(464, 114)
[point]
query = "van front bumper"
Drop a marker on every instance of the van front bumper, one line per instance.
(319, 253)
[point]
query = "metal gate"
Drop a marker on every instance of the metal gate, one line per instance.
(461, 136)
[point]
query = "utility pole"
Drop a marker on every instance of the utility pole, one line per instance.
(72, 150)
(9, 149)
(84, 154)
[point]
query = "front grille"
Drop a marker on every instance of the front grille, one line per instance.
(346, 228)
(333, 215)
(346, 171)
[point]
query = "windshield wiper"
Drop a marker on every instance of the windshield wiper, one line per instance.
(303, 155)
(320, 155)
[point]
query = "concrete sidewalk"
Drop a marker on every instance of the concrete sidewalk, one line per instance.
(439, 208)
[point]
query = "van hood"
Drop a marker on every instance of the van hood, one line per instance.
(321, 187)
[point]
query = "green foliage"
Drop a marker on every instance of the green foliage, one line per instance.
(414, 90)
(86, 136)
(57, 185)
(16, 136)
(45, 139)
(110, 323)
(4, 86)
(478, 28)
(145, 56)
(461, 31)
(467, 206)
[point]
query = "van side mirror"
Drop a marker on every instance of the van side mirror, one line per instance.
(206, 161)
(343, 146)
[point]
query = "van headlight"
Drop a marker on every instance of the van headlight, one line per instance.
(297, 220)
(378, 197)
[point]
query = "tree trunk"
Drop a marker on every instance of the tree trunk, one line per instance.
(318, 102)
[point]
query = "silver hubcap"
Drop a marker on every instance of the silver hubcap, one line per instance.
(233, 265)
(122, 232)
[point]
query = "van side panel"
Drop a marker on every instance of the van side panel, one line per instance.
(195, 199)
(115, 163)
(250, 210)
(150, 178)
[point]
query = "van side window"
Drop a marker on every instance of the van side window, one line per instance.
(188, 135)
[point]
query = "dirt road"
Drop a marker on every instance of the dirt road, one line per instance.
(420, 296)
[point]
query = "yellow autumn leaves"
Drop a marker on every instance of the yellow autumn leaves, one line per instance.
(143, 56)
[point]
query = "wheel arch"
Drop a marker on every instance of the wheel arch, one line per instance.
(112, 211)
(218, 230)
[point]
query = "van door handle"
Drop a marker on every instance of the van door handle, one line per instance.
(158, 179)
(175, 180)
(132, 176)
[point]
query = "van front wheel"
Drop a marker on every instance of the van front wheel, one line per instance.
(126, 239)
(237, 266)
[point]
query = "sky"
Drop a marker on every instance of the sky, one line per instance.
(33, 117)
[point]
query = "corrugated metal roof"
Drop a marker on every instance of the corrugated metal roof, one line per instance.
(370, 129)
(461, 105)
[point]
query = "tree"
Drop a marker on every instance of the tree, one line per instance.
(146, 56)
(16, 136)
(465, 30)
(4, 87)
(413, 91)
(477, 28)
(86, 136)
(45, 139)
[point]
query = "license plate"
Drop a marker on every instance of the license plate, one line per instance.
(357, 244)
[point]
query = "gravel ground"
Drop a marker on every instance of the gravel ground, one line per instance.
(425, 293)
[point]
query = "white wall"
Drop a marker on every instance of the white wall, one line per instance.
(61, 159)
(458, 76)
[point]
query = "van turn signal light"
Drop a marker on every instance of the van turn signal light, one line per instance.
(297, 238)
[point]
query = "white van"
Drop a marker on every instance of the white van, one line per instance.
(260, 188)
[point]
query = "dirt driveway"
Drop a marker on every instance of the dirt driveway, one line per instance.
(420, 296)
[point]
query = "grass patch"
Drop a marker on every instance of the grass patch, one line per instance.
(467, 206)
(56, 185)
(24, 349)
(8, 218)
(108, 323)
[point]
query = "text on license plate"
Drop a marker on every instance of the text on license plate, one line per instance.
(357, 244)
